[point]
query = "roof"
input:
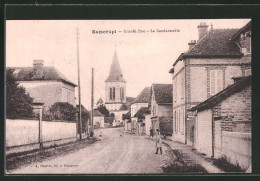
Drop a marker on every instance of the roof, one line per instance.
(127, 115)
(217, 42)
(115, 74)
(234, 88)
(242, 30)
(127, 105)
(124, 107)
(141, 112)
(97, 113)
(163, 93)
(49, 73)
(129, 100)
(144, 96)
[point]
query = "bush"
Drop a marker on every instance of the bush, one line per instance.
(18, 102)
(63, 111)
(223, 164)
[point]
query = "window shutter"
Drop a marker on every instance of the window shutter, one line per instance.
(114, 93)
(219, 81)
(110, 92)
(212, 82)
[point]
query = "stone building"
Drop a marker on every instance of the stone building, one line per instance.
(142, 100)
(45, 84)
(98, 119)
(161, 107)
(204, 70)
(223, 123)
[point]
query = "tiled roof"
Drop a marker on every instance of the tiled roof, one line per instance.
(129, 100)
(115, 74)
(234, 88)
(127, 105)
(141, 112)
(144, 96)
(127, 115)
(123, 107)
(241, 30)
(97, 113)
(216, 42)
(163, 93)
(49, 73)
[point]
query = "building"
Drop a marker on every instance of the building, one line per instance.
(223, 124)
(115, 88)
(98, 119)
(127, 120)
(140, 124)
(206, 69)
(142, 100)
(161, 107)
(45, 84)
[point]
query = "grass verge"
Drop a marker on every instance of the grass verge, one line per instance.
(223, 164)
(179, 164)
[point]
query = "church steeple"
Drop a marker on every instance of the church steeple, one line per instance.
(115, 74)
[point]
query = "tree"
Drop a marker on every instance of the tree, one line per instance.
(63, 111)
(101, 107)
(18, 102)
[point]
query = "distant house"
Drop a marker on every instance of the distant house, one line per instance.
(161, 107)
(206, 69)
(45, 84)
(140, 101)
(98, 119)
(223, 123)
(127, 120)
(140, 124)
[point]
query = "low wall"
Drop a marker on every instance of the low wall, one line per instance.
(236, 147)
(26, 132)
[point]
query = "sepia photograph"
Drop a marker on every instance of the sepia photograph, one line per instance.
(147, 96)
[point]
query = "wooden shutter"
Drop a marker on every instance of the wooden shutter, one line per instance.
(212, 82)
(219, 83)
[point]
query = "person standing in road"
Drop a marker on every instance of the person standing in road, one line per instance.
(151, 132)
(158, 142)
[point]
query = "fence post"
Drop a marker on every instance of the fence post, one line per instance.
(39, 106)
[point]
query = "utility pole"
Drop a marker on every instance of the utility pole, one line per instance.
(80, 121)
(92, 98)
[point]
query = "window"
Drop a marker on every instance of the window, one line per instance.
(175, 122)
(179, 120)
(112, 93)
(122, 94)
(216, 81)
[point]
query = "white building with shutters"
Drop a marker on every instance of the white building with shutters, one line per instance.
(204, 70)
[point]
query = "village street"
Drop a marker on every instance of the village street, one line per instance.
(113, 154)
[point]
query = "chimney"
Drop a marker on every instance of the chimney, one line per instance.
(192, 44)
(38, 68)
(203, 29)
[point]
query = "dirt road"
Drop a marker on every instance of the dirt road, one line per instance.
(113, 154)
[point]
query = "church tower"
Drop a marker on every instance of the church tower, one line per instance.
(115, 87)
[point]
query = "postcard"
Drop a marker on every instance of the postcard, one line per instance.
(168, 96)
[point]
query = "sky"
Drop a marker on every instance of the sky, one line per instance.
(144, 58)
